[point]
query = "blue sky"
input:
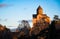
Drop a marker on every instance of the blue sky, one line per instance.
(11, 11)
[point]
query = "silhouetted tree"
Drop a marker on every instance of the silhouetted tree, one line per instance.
(56, 17)
(52, 30)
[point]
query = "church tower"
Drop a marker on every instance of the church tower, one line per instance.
(39, 10)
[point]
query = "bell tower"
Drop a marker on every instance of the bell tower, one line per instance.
(39, 10)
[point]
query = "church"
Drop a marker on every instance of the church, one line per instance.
(41, 19)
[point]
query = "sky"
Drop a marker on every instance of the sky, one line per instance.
(11, 11)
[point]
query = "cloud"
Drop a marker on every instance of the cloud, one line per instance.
(26, 20)
(29, 20)
(25, 8)
(0, 19)
(19, 21)
(3, 20)
(5, 5)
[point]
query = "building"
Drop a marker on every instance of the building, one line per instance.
(40, 19)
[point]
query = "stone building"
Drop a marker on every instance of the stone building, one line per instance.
(40, 19)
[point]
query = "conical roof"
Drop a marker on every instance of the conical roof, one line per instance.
(39, 10)
(39, 7)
